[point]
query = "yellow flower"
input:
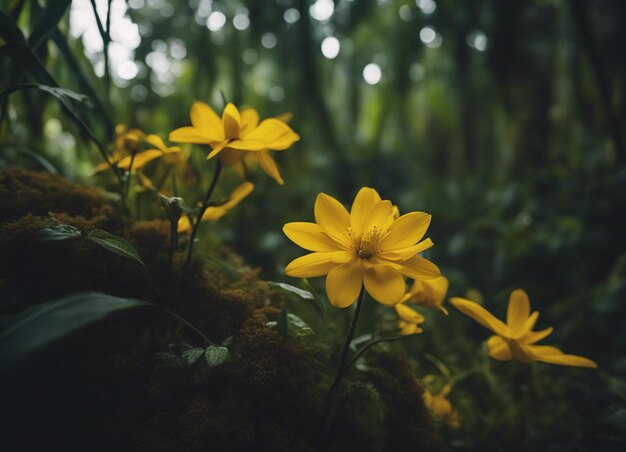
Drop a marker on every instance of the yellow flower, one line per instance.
(429, 293)
(410, 320)
(366, 246)
(516, 339)
(170, 154)
(235, 133)
(261, 158)
(127, 141)
(441, 408)
(214, 213)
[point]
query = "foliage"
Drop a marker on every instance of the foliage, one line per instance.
(504, 120)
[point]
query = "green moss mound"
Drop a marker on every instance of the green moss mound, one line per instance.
(124, 384)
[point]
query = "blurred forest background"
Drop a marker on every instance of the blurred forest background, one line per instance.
(504, 119)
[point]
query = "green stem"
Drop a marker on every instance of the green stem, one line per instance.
(344, 356)
(173, 238)
(105, 33)
(203, 208)
(130, 175)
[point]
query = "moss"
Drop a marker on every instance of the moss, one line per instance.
(23, 192)
(121, 386)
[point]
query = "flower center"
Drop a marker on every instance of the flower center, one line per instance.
(367, 244)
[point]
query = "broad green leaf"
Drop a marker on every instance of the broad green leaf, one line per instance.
(48, 20)
(42, 325)
(192, 355)
(39, 159)
(17, 48)
(317, 303)
(84, 85)
(216, 355)
(320, 304)
(114, 244)
(293, 289)
(64, 95)
(290, 325)
(58, 231)
(298, 327)
(9, 31)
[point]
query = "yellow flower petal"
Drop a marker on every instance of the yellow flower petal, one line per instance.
(529, 324)
(206, 121)
(309, 236)
(521, 352)
(430, 293)
(268, 165)
(249, 121)
(385, 284)
(344, 283)
(276, 134)
(417, 267)
(190, 135)
(553, 355)
(239, 194)
(407, 329)
(316, 264)
(408, 315)
(333, 218)
(140, 160)
(285, 117)
(445, 390)
(535, 336)
(406, 230)
(440, 288)
(362, 205)
(379, 214)
(184, 225)
(214, 213)
(101, 167)
(230, 156)
(499, 349)
(518, 311)
(405, 253)
(231, 120)
(248, 145)
(156, 141)
(481, 315)
(216, 149)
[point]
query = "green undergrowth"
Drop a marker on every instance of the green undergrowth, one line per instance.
(138, 380)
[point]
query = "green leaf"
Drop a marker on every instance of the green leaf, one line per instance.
(298, 327)
(293, 289)
(42, 325)
(316, 301)
(83, 83)
(58, 231)
(320, 303)
(114, 244)
(64, 95)
(48, 20)
(9, 31)
(192, 355)
(290, 325)
(42, 162)
(216, 355)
